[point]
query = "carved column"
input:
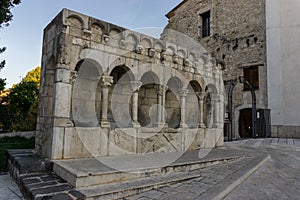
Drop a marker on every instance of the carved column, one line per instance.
(201, 96)
(183, 93)
(161, 101)
(216, 110)
(106, 83)
(222, 110)
(163, 111)
(136, 85)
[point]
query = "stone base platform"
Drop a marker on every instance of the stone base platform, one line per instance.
(218, 170)
(111, 177)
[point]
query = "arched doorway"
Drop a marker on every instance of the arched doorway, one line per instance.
(148, 100)
(210, 106)
(193, 104)
(120, 92)
(86, 94)
(172, 105)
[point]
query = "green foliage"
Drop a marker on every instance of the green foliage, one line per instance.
(5, 13)
(19, 108)
(13, 143)
(2, 83)
(33, 76)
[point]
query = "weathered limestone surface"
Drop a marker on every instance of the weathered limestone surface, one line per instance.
(237, 40)
(110, 91)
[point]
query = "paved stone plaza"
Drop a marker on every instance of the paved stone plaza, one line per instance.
(277, 177)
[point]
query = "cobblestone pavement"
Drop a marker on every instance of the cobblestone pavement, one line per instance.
(279, 178)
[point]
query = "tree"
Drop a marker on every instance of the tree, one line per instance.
(20, 106)
(5, 17)
(5, 13)
(33, 76)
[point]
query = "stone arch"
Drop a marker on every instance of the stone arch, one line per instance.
(170, 50)
(115, 36)
(210, 111)
(172, 102)
(146, 43)
(115, 33)
(181, 53)
(172, 73)
(120, 92)
(143, 69)
(86, 94)
(75, 24)
(158, 46)
(193, 104)
(131, 41)
(200, 80)
(148, 100)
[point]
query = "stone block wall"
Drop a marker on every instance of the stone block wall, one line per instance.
(237, 41)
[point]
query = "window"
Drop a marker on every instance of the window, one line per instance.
(251, 74)
(205, 24)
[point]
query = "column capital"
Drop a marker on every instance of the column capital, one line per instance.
(73, 76)
(183, 92)
(106, 81)
(136, 85)
(200, 95)
(162, 89)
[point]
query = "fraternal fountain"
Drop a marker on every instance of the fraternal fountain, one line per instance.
(108, 93)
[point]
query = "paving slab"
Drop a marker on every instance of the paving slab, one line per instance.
(9, 189)
(278, 178)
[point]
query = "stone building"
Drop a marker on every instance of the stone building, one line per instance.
(108, 91)
(234, 33)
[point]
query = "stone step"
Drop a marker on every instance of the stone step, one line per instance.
(128, 188)
(106, 170)
(217, 191)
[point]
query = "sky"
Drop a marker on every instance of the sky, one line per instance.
(23, 37)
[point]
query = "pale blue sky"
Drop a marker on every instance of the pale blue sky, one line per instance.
(23, 37)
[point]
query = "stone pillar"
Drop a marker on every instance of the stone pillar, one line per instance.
(106, 83)
(161, 101)
(135, 98)
(163, 111)
(183, 93)
(222, 110)
(201, 96)
(216, 110)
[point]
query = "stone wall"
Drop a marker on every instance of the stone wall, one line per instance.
(237, 40)
(283, 47)
(108, 91)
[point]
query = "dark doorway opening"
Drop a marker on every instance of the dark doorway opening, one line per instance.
(245, 121)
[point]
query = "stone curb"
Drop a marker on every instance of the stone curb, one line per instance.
(223, 188)
(28, 134)
(35, 178)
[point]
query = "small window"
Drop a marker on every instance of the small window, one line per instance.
(251, 74)
(205, 24)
